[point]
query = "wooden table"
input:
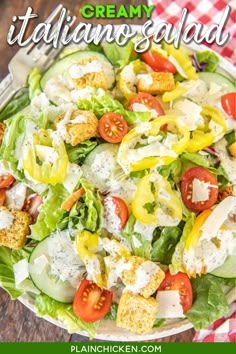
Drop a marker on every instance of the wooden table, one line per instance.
(18, 324)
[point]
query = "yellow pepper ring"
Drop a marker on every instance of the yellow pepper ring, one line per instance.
(195, 233)
(151, 128)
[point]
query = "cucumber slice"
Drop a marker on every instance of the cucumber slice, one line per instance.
(40, 268)
(226, 270)
(61, 66)
(218, 79)
(100, 166)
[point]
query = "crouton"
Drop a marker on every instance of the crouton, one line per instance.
(232, 149)
(136, 313)
(156, 83)
(2, 129)
(88, 78)
(226, 192)
(14, 236)
(84, 126)
(143, 277)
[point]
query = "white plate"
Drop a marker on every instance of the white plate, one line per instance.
(108, 330)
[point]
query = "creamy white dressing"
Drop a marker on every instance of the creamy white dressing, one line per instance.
(190, 114)
(147, 79)
(145, 230)
(55, 88)
(77, 71)
(15, 196)
(210, 253)
(46, 153)
(228, 163)
(143, 275)
(114, 268)
(6, 219)
(93, 267)
(110, 220)
(64, 260)
(124, 189)
(139, 107)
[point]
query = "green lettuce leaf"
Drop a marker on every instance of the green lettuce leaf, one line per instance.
(210, 58)
(140, 247)
(112, 314)
(46, 306)
(164, 246)
(101, 104)
(85, 213)
(17, 129)
(34, 83)
(7, 279)
(176, 261)
(78, 153)
(50, 214)
(14, 106)
(118, 56)
(209, 301)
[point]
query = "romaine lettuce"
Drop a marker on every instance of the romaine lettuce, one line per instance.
(78, 153)
(209, 301)
(104, 103)
(46, 306)
(50, 213)
(14, 106)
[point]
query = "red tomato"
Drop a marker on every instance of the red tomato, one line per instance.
(6, 181)
(157, 62)
(202, 174)
(112, 127)
(228, 103)
(2, 196)
(181, 282)
(147, 100)
(32, 204)
(121, 210)
(91, 302)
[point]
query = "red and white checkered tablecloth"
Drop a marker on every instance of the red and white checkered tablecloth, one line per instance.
(206, 12)
(222, 330)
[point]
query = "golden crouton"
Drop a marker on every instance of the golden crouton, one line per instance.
(232, 149)
(97, 78)
(135, 313)
(15, 235)
(156, 83)
(77, 132)
(140, 270)
(2, 129)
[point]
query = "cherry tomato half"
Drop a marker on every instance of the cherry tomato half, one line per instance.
(32, 204)
(228, 103)
(180, 282)
(148, 101)
(6, 181)
(202, 174)
(91, 303)
(112, 127)
(121, 209)
(157, 62)
(2, 196)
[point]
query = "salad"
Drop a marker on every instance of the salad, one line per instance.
(118, 189)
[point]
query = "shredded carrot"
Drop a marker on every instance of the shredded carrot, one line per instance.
(70, 201)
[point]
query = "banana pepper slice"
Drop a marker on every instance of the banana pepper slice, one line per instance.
(153, 153)
(156, 203)
(128, 77)
(45, 158)
(86, 243)
(183, 59)
(214, 128)
(176, 93)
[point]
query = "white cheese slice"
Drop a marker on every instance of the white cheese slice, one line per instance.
(15, 196)
(74, 172)
(46, 153)
(179, 68)
(169, 304)
(21, 271)
(216, 219)
(6, 219)
(139, 107)
(200, 191)
(39, 264)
